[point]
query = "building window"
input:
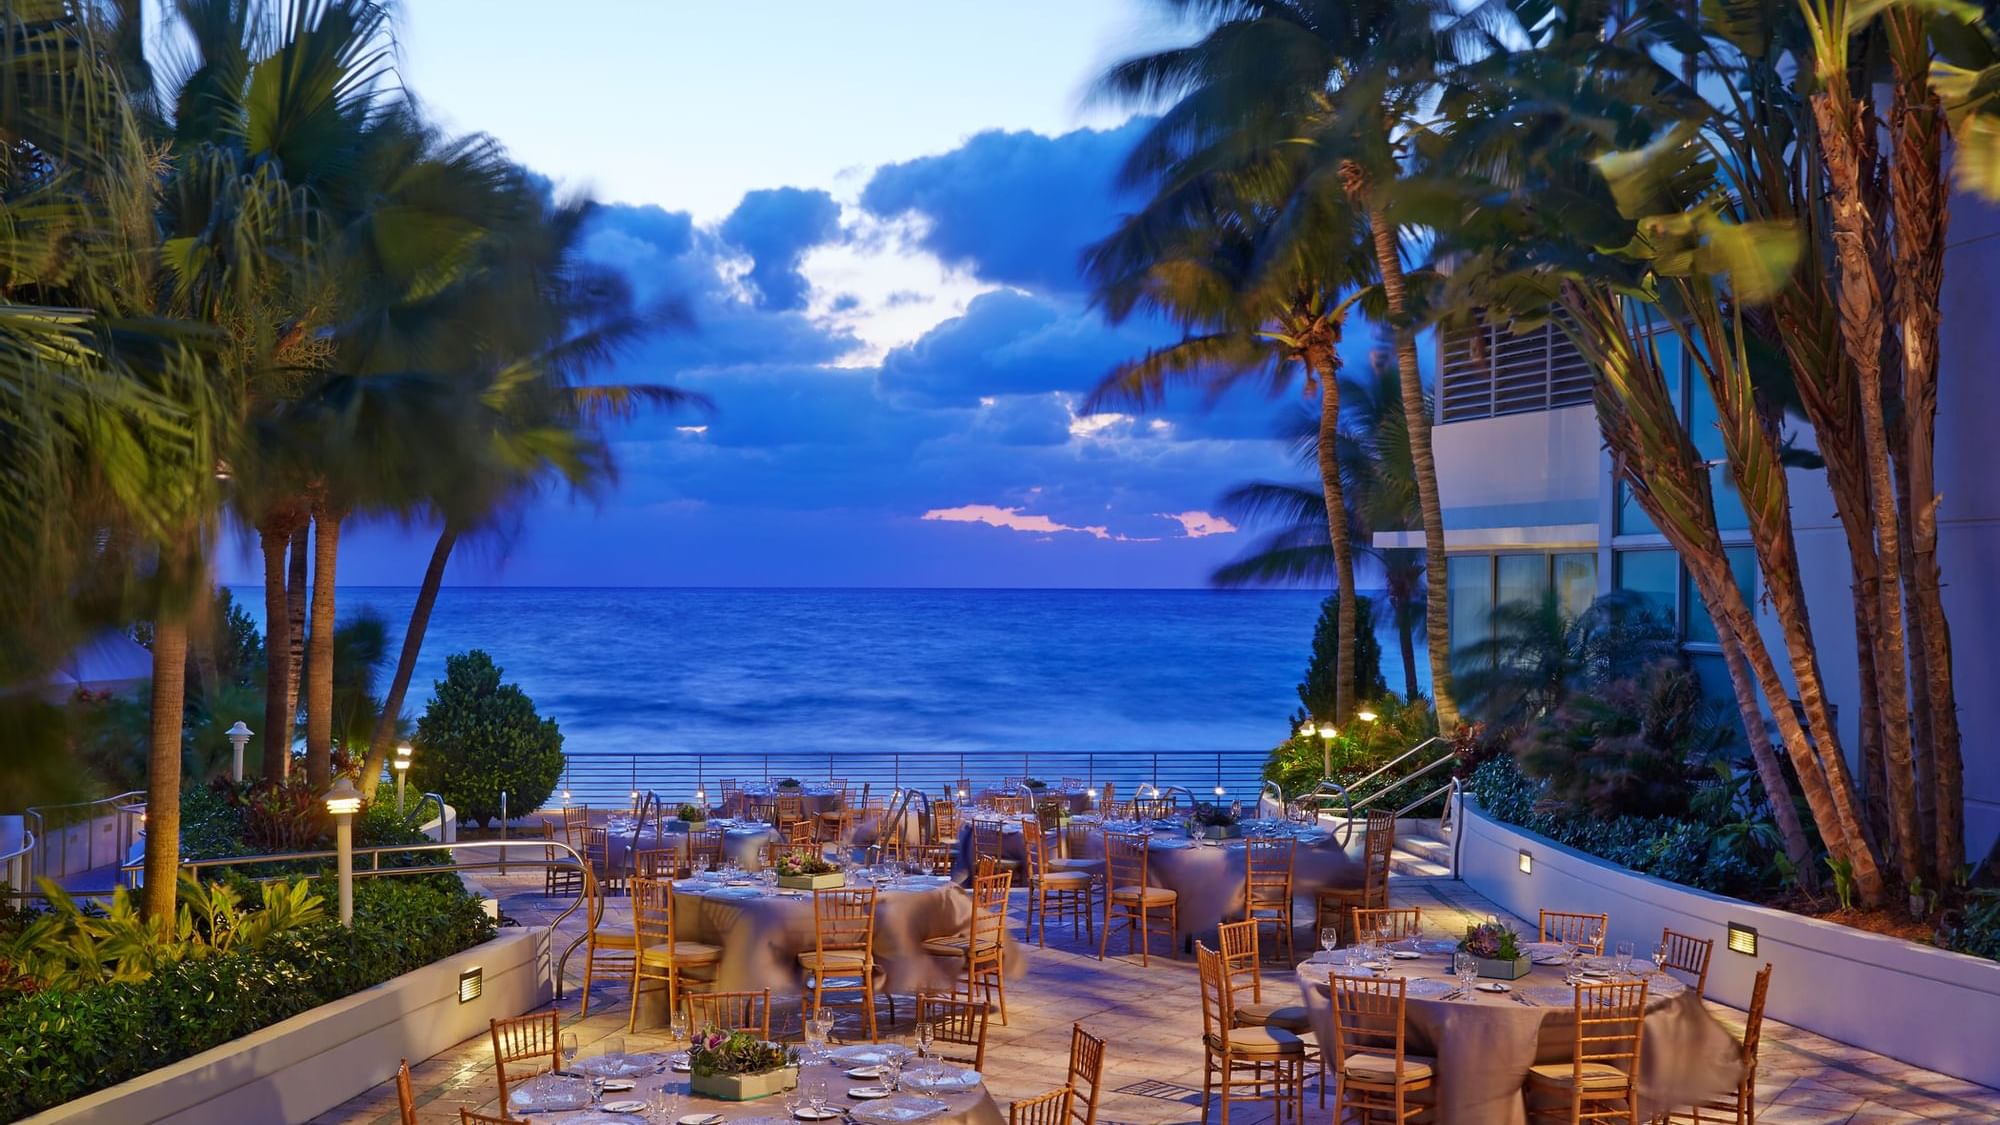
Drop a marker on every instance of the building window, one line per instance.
(1479, 584)
(1490, 370)
(1689, 393)
(1659, 579)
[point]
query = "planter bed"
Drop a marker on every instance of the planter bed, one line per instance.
(1924, 1005)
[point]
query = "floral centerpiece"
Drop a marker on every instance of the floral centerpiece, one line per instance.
(1035, 783)
(808, 873)
(1497, 948)
(789, 783)
(737, 1066)
(694, 816)
(1219, 822)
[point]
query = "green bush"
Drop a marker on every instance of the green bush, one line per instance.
(1361, 748)
(1631, 746)
(1320, 688)
(479, 736)
(58, 1044)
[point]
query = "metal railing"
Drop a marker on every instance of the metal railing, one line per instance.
(55, 825)
(604, 780)
(17, 866)
(1355, 797)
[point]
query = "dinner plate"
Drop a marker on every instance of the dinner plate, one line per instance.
(899, 1111)
(628, 1106)
(864, 1072)
(868, 1054)
(617, 1085)
(1493, 986)
(943, 1080)
(808, 1113)
(700, 1119)
(867, 1093)
(1405, 954)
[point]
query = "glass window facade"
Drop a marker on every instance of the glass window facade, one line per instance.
(1479, 583)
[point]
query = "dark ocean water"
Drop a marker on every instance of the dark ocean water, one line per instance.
(820, 672)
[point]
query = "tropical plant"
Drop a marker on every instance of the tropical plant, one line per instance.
(716, 1051)
(1535, 656)
(67, 947)
(1633, 745)
(480, 737)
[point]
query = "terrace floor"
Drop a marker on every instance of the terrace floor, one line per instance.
(1153, 1074)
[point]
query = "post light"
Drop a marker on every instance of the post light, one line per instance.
(1221, 792)
(1527, 862)
(1743, 939)
(402, 764)
(239, 737)
(343, 801)
(1366, 716)
(1326, 736)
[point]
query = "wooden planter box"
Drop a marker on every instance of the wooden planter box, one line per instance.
(694, 825)
(812, 882)
(744, 1087)
(1505, 970)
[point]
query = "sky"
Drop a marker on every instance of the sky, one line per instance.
(874, 211)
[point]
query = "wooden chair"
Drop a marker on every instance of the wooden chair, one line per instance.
(1332, 905)
(524, 1039)
(1152, 808)
(933, 859)
(558, 878)
(944, 823)
(1372, 1072)
(1128, 898)
(467, 1117)
(1011, 806)
(1686, 954)
(573, 818)
(800, 832)
(956, 1022)
(1739, 1107)
(705, 848)
(1051, 1108)
(1600, 1082)
(1267, 885)
(1242, 962)
(791, 810)
(1107, 799)
(406, 1097)
(1068, 893)
(1086, 1073)
(595, 844)
(1267, 1062)
(791, 851)
(659, 954)
(733, 802)
(657, 863)
(989, 841)
(1075, 852)
(1403, 921)
(612, 952)
(731, 1011)
(982, 946)
(835, 823)
(843, 953)
(1586, 930)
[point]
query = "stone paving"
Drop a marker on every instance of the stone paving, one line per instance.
(1151, 1018)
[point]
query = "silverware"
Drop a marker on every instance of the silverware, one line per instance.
(1454, 994)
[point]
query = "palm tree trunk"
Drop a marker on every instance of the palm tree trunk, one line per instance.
(163, 766)
(319, 649)
(1405, 628)
(274, 538)
(295, 619)
(406, 664)
(1790, 831)
(1437, 620)
(1336, 527)
(1861, 314)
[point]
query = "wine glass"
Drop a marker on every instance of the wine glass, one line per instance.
(677, 1025)
(794, 1098)
(1659, 958)
(823, 1022)
(1200, 833)
(926, 1039)
(568, 1048)
(1329, 937)
(663, 1105)
(1624, 953)
(892, 1073)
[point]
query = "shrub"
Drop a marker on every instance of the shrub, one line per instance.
(1295, 763)
(479, 736)
(1319, 689)
(1628, 746)
(57, 1044)
(1974, 928)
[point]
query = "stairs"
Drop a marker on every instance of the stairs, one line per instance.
(1420, 853)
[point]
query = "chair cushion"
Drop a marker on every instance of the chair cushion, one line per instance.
(833, 960)
(1065, 879)
(1382, 1068)
(1066, 863)
(954, 946)
(685, 953)
(1290, 1017)
(1596, 1076)
(1260, 1041)
(614, 939)
(1151, 896)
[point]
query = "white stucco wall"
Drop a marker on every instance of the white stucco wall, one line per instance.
(1547, 476)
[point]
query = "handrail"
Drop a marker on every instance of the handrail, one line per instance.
(1396, 761)
(1408, 777)
(40, 813)
(418, 811)
(1159, 792)
(8, 862)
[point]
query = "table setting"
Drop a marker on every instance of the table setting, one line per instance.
(742, 840)
(1485, 1032)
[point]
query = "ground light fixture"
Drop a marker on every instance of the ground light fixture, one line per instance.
(1527, 862)
(402, 764)
(239, 737)
(1743, 939)
(471, 983)
(1366, 715)
(343, 800)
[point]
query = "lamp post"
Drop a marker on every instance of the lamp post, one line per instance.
(343, 800)
(1327, 734)
(239, 737)
(402, 764)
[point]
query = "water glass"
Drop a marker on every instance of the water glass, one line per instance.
(892, 1073)
(1624, 954)
(1468, 971)
(568, 1048)
(823, 1021)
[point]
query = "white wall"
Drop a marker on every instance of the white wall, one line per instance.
(1548, 474)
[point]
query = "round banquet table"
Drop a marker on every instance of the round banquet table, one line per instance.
(1074, 800)
(1484, 1043)
(762, 931)
(742, 841)
(967, 1107)
(1208, 877)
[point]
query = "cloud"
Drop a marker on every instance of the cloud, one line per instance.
(1014, 208)
(1010, 342)
(1010, 518)
(1199, 525)
(776, 226)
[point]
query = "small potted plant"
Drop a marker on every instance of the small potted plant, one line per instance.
(1036, 784)
(1220, 821)
(1497, 948)
(736, 1066)
(808, 873)
(789, 784)
(694, 816)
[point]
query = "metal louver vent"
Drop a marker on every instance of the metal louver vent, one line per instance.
(1490, 370)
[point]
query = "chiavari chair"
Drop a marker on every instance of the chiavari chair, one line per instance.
(1584, 930)
(1086, 1072)
(1332, 904)
(1068, 893)
(406, 1097)
(732, 796)
(731, 1011)
(836, 783)
(1373, 1073)
(524, 1039)
(1738, 1107)
(982, 946)
(1051, 1108)
(836, 822)
(1600, 1082)
(1130, 901)
(944, 824)
(1687, 954)
(607, 951)
(1009, 806)
(595, 844)
(1268, 1063)
(661, 955)
(705, 848)
(956, 1022)
(656, 863)
(791, 810)
(558, 878)
(1242, 961)
(932, 859)
(1267, 885)
(1107, 800)
(573, 818)
(1402, 922)
(989, 841)
(1152, 808)
(800, 832)
(468, 1117)
(842, 958)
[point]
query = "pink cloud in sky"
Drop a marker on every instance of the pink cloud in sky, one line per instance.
(1010, 518)
(1197, 525)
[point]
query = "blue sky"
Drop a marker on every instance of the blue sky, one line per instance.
(874, 211)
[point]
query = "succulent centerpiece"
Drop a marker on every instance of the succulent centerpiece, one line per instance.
(737, 1066)
(1497, 948)
(808, 873)
(1217, 822)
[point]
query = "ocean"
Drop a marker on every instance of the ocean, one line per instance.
(809, 677)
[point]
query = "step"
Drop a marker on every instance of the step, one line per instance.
(1405, 863)
(1426, 847)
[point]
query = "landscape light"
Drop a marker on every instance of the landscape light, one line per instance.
(1743, 939)
(239, 737)
(471, 983)
(1366, 715)
(1527, 862)
(1308, 728)
(1220, 791)
(343, 800)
